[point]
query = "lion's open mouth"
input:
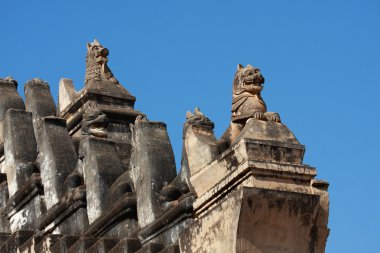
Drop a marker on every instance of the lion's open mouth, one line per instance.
(98, 129)
(251, 82)
(99, 58)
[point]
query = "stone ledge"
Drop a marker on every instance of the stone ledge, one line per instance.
(239, 156)
(121, 210)
(245, 175)
(64, 208)
(31, 188)
(170, 218)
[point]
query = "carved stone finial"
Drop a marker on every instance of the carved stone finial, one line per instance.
(10, 79)
(96, 63)
(197, 119)
(94, 122)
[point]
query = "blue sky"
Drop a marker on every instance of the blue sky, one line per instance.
(321, 61)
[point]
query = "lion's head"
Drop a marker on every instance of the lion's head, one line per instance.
(197, 119)
(97, 52)
(96, 63)
(248, 79)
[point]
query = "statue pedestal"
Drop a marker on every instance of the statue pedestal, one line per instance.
(258, 197)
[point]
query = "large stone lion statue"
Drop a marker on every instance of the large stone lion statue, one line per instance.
(247, 102)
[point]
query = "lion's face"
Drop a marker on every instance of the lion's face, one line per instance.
(248, 79)
(94, 122)
(97, 52)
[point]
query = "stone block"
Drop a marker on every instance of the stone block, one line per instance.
(57, 158)
(173, 248)
(29, 245)
(67, 94)
(151, 248)
(46, 243)
(126, 245)
(26, 206)
(20, 148)
(119, 220)
(246, 154)
(201, 147)
(166, 228)
(4, 237)
(103, 245)
(152, 167)
(15, 240)
(63, 244)
(82, 245)
(68, 216)
(38, 101)
(38, 98)
(9, 98)
(267, 131)
(4, 197)
(250, 220)
(101, 168)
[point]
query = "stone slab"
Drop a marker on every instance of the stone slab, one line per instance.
(101, 168)
(9, 99)
(152, 167)
(103, 245)
(251, 219)
(151, 248)
(20, 148)
(239, 157)
(126, 245)
(38, 98)
(58, 158)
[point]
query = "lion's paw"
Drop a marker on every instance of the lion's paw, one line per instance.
(259, 115)
(273, 116)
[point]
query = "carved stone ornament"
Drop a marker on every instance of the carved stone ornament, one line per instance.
(246, 99)
(94, 122)
(96, 63)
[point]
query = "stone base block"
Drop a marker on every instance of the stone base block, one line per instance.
(171, 249)
(16, 240)
(103, 245)
(249, 219)
(64, 243)
(151, 248)
(82, 245)
(46, 243)
(126, 246)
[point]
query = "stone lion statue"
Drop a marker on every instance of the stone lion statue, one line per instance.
(247, 102)
(96, 63)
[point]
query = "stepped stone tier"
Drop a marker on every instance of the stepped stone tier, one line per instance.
(93, 174)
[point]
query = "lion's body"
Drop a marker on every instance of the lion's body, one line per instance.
(247, 102)
(96, 64)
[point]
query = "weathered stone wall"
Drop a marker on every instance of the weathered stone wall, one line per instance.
(94, 175)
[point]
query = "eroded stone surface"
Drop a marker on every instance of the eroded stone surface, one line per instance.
(67, 93)
(247, 192)
(153, 167)
(9, 99)
(101, 167)
(58, 158)
(20, 148)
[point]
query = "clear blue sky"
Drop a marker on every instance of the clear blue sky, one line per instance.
(321, 61)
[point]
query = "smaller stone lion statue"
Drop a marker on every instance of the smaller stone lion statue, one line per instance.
(94, 122)
(96, 63)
